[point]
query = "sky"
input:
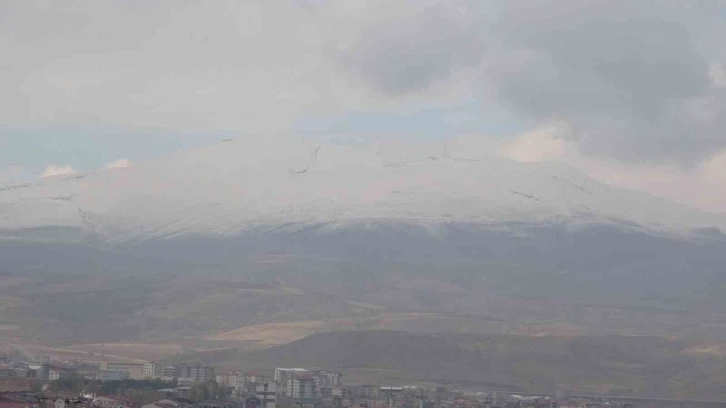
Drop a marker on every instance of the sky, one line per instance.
(631, 92)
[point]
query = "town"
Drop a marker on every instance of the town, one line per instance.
(40, 382)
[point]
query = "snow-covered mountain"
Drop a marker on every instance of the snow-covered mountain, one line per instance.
(235, 187)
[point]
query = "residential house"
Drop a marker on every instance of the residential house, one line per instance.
(56, 373)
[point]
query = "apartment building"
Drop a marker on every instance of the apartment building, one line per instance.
(192, 374)
(301, 386)
(135, 370)
(267, 394)
(151, 370)
(328, 383)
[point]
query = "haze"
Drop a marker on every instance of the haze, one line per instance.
(524, 196)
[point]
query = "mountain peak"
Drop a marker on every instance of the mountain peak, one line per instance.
(232, 186)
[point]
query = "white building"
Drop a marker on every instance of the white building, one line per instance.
(232, 380)
(56, 373)
(283, 376)
(151, 370)
(280, 373)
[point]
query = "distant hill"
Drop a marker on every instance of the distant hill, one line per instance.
(635, 365)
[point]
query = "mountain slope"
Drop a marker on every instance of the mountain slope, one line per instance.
(232, 187)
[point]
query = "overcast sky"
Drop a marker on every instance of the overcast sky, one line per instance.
(632, 92)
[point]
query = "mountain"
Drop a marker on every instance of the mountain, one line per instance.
(449, 241)
(611, 365)
(234, 187)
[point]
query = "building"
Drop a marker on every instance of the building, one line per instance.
(301, 385)
(253, 402)
(360, 391)
(113, 375)
(110, 402)
(169, 373)
(281, 373)
(251, 379)
(151, 370)
(56, 373)
(6, 371)
(284, 377)
(328, 383)
(193, 374)
(135, 370)
(234, 381)
(170, 403)
(267, 393)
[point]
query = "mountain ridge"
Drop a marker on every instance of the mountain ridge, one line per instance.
(231, 187)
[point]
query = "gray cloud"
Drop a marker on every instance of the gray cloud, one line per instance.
(631, 77)
(408, 53)
(627, 75)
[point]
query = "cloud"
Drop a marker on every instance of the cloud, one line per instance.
(544, 143)
(118, 164)
(249, 66)
(413, 49)
(55, 170)
(701, 186)
(638, 82)
(635, 81)
(625, 75)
